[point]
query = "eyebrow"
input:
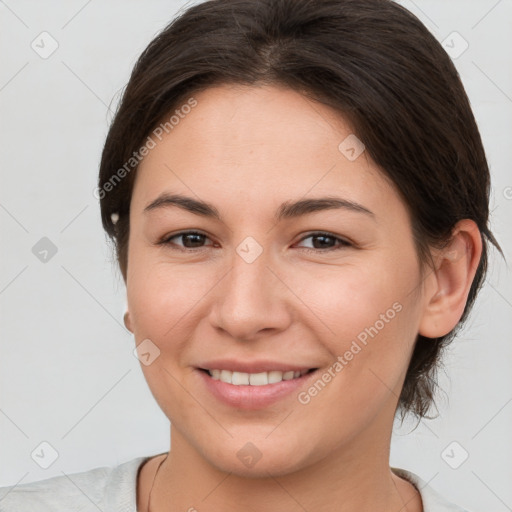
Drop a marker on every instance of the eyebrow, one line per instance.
(287, 210)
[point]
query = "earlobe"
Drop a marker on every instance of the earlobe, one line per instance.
(127, 321)
(455, 270)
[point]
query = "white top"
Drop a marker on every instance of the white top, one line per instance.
(113, 489)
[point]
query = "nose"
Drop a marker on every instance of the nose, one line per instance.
(252, 300)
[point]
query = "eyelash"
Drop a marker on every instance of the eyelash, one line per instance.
(342, 243)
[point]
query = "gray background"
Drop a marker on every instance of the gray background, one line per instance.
(68, 376)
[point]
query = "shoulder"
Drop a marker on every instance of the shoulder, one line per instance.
(432, 500)
(102, 488)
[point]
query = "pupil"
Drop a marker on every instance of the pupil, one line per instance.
(198, 238)
(323, 237)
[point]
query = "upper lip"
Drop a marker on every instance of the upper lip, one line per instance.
(252, 366)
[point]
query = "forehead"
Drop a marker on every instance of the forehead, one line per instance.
(259, 143)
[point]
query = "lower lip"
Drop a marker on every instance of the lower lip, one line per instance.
(252, 397)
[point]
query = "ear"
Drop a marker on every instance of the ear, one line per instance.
(127, 321)
(450, 281)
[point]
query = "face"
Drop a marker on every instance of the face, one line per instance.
(260, 287)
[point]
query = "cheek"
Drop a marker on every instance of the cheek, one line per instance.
(367, 317)
(350, 300)
(162, 296)
(370, 350)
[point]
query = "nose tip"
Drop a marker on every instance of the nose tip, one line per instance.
(250, 300)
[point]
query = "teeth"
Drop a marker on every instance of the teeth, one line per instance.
(258, 379)
(254, 379)
(225, 376)
(275, 376)
(239, 378)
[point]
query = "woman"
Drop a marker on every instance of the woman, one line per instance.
(301, 233)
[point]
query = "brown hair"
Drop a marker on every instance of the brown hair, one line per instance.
(370, 60)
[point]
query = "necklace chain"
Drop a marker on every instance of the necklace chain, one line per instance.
(148, 509)
(152, 485)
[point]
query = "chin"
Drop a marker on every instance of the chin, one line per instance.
(275, 465)
(260, 458)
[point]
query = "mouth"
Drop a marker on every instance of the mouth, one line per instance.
(253, 391)
(236, 378)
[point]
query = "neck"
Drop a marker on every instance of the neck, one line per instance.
(348, 479)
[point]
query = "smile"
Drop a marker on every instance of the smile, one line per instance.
(252, 391)
(255, 379)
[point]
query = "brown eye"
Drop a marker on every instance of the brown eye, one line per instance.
(325, 241)
(189, 240)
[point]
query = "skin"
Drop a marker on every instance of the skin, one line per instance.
(246, 150)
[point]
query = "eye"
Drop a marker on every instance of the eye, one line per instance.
(191, 240)
(323, 242)
(194, 240)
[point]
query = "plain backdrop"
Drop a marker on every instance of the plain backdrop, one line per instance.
(68, 376)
